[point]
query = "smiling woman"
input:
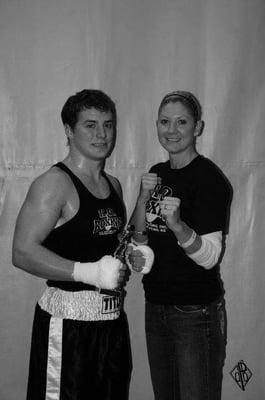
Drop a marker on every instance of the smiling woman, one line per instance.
(182, 211)
(178, 125)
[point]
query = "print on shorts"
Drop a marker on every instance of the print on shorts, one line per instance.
(110, 304)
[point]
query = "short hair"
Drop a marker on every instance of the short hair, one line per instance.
(86, 99)
(187, 99)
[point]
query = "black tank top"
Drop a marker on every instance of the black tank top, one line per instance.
(91, 233)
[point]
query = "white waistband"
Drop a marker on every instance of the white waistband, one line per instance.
(84, 305)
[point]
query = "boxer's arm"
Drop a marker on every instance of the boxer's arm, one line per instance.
(39, 214)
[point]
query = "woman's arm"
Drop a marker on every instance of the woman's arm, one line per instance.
(205, 249)
(148, 183)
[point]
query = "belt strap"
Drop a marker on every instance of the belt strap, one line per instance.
(116, 292)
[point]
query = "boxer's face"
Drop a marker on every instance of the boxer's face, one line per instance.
(176, 128)
(93, 135)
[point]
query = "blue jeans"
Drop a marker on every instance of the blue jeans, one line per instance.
(186, 350)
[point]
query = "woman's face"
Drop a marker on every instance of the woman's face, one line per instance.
(177, 128)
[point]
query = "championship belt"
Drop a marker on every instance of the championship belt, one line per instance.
(138, 257)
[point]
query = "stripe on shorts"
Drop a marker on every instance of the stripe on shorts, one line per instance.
(54, 363)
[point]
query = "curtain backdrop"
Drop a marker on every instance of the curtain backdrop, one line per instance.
(136, 51)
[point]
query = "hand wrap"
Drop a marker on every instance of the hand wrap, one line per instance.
(103, 273)
(146, 253)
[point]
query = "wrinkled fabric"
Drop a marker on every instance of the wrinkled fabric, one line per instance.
(137, 51)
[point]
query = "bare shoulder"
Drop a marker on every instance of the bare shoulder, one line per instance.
(53, 183)
(43, 206)
(116, 184)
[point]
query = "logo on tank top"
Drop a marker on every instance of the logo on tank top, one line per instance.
(154, 220)
(107, 223)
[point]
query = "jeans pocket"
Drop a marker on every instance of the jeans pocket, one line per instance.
(190, 309)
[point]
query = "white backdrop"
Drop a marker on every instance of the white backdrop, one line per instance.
(136, 51)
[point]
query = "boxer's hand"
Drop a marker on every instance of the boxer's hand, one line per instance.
(134, 258)
(170, 211)
(104, 273)
(125, 273)
(139, 258)
(148, 184)
(109, 272)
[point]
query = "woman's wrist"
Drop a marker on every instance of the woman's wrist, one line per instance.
(187, 238)
(141, 201)
(185, 235)
(179, 228)
(190, 240)
(140, 236)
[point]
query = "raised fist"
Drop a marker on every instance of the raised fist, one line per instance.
(148, 184)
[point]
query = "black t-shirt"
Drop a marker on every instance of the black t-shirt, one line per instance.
(205, 196)
(91, 233)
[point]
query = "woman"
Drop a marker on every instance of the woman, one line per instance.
(182, 211)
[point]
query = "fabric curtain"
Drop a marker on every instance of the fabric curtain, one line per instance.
(137, 51)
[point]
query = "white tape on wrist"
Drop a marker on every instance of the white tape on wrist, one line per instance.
(103, 274)
(86, 272)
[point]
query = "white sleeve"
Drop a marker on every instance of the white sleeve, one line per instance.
(209, 253)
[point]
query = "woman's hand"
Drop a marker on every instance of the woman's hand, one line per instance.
(170, 210)
(148, 184)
